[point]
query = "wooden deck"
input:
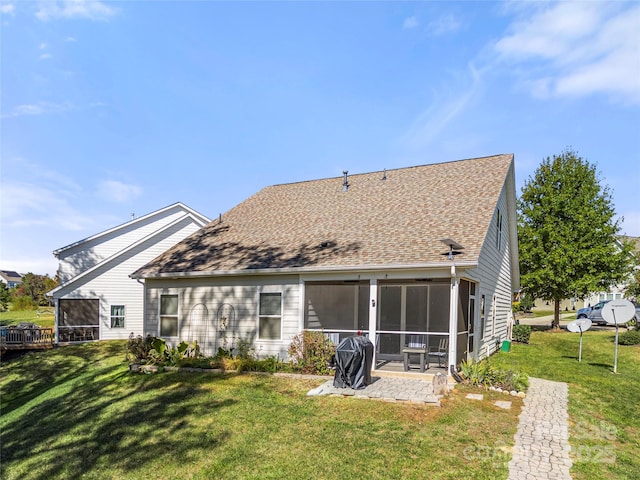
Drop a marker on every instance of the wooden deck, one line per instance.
(12, 338)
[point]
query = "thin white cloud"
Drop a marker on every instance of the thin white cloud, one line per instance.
(45, 198)
(48, 108)
(119, 192)
(446, 107)
(45, 56)
(410, 22)
(41, 108)
(75, 9)
(576, 49)
(70, 39)
(443, 25)
(7, 9)
(42, 46)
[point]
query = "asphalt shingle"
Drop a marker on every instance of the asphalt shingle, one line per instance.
(376, 222)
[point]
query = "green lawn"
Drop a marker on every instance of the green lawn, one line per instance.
(603, 407)
(42, 316)
(77, 412)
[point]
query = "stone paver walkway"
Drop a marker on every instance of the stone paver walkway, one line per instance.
(541, 448)
(390, 389)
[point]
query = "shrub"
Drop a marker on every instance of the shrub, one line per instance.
(521, 333)
(138, 348)
(23, 302)
(311, 352)
(482, 374)
(631, 337)
(155, 351)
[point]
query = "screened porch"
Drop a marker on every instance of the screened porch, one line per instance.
(402, 311)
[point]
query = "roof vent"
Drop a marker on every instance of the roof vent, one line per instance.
(345, 181)
(384, 174)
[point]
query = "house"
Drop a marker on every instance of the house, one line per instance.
(428, 250)
(615, 292)
(96, 298)
(10, 278)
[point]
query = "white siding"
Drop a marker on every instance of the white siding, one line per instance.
(494, 277)
(111, 284)
(86, 255)
(234, 297)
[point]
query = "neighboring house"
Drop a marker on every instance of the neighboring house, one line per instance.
(360, 254)
(615, 292)
(96, 298)
(10, 278)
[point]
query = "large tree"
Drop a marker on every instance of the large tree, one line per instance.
(568, 236)
(35, 287)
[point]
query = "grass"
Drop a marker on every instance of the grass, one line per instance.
(603, 407)
(42, 316)
(77, 412)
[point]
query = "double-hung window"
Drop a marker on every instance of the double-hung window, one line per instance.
(270, 316)
(117, 316)
(168, 315)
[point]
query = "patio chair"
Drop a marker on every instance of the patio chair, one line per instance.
(441, 351)
(417, 345)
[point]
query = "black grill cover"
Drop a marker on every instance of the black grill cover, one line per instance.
(354, 358)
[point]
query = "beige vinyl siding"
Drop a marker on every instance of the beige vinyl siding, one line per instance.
(238, 295)
(110, 282)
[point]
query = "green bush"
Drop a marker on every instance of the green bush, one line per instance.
(311, 353)
(23, 302)
(631, 337)
(521, 333)
(155, 351)
(482, 374)
(138, 348)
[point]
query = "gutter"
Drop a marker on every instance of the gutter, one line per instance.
(299, 270)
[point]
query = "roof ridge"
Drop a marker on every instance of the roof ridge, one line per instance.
(392, 169)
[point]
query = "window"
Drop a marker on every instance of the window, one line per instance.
(117, 316)
(499, 230)
(270, 316)
(168, 315)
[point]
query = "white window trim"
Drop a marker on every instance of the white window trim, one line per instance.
(124, 315)
(177, 315)
(281, 316)
(482, 310)
(494, 313)
(499, 225)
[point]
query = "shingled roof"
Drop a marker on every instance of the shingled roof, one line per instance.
(382, 220)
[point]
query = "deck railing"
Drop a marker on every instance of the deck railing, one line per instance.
(26, 338)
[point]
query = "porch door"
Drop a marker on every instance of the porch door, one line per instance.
(403, 311)
(390, 322)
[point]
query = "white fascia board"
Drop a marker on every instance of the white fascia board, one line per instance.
(303, 270)
(200, 219)
(118, 254)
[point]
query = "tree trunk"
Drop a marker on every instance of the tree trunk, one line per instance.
(556, 314)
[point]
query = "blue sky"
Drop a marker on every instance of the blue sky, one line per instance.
(113, 108)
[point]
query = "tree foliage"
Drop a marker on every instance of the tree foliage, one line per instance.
(567, 233)
(5, 296)
(35, 287)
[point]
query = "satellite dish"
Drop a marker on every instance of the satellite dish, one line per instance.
(618, 312)
(579, 326)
